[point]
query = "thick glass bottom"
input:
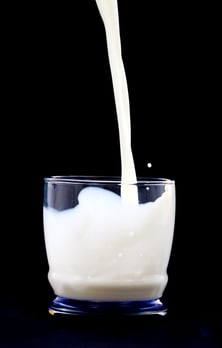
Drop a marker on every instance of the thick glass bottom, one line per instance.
(62, 305)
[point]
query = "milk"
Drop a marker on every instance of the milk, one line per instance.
(106, 249)
(109, 247)
(109, 13)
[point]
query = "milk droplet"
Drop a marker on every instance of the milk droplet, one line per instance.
(149, 165)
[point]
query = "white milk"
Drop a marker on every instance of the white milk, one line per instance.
(110, 247)
(105, 249)
(109, 12)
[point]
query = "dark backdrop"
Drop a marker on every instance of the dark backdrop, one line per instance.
(59, 118)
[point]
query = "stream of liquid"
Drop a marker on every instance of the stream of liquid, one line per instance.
(109, 13)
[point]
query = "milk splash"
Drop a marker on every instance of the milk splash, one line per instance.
(109, 13)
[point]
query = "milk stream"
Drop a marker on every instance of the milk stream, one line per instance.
(109, 13)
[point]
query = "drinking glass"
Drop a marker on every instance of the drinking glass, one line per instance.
(107, 254)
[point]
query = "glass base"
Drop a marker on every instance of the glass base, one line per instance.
(62, 305)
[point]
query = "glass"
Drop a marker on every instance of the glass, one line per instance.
(107, 255)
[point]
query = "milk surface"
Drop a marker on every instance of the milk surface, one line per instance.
(106, 249)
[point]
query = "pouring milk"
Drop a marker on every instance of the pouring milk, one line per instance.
(110, 247)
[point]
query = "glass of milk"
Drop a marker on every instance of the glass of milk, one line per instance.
(108, 255)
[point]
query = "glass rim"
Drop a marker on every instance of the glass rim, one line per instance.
(95, 179)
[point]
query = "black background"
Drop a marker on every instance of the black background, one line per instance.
(58, 117)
